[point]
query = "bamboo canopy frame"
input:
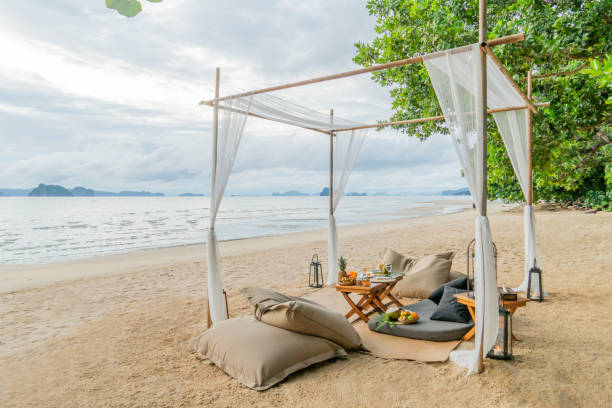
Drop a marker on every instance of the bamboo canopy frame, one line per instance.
(485, 47)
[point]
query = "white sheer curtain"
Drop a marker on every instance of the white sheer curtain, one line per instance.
(346, 150)
(456, 79)
(512, 126)
(231, 127)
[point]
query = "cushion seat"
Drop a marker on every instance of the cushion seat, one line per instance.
(259, 355)
(425, 329)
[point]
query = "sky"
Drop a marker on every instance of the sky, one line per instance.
(91, 98)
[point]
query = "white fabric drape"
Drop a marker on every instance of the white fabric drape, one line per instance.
(332, 248)
(512, 126)
(346, 150)
(456, 79)
(231, 127)
(532, 255)
(286, 111)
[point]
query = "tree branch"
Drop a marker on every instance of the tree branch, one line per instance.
(562, 73)
(596, 124)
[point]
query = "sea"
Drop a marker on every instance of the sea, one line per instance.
(49, 229)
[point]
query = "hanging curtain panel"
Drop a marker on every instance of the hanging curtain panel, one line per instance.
(512, 126)
(456, 79)
(285, 111)
(346, 151)
(231, 128)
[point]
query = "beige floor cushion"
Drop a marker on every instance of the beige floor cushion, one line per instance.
(399, 263)
(425, 275)
(260, 355)
(310, 318)
(267, 297)
(455, 275)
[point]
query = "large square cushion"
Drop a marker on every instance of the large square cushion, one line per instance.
(259, 355)
(399, 263)
(425, 275)
(309, 318)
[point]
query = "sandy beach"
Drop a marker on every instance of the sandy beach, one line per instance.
(115, 330)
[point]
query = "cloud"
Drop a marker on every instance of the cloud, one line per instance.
(90, 98)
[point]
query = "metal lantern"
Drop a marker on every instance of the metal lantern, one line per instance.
(471, 254)
(502, 349)
(534, 284)
(315, 279)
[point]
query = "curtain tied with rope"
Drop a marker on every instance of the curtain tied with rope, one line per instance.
(229, 134)
(456, 79)
(346, 150)
(513, 129)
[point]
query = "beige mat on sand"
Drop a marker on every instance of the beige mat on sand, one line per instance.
(384, 345)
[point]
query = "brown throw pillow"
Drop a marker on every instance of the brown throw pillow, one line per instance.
(399, 263)
(424, 276)
(259, 355)
(309, 318)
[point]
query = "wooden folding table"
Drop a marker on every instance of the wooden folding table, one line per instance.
(373, 296)
(470, 302)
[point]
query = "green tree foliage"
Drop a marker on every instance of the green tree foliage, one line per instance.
(127, 8)
(567, 45)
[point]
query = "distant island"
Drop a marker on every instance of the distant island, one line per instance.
(459, 192)
(290, 193)
(191, 195)
(51, 190)
(325, 193)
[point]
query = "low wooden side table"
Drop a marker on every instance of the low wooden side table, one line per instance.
(511, 305)
(371, 296)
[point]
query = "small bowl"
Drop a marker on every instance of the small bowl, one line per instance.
(400, 321)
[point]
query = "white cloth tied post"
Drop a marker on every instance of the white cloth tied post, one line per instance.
(456, 79)
(346, 150)
(227, 140)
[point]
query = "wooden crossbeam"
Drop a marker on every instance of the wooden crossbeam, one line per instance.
(382, 124)
(432, 118)
(509, 78)
(379, 67)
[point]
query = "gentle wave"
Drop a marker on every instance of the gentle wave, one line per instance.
(47, 229)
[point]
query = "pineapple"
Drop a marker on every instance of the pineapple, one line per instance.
(342, 269)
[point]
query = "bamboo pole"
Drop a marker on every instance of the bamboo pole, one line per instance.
(432, 118)
(379, 67)
(331, 162)
(509, 78)
(505, 40)
(529, 141)
(213, 173)
(482, 38)
(380, 124)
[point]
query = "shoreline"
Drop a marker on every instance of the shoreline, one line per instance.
(15, 277)
(120, 334)
(79, 238)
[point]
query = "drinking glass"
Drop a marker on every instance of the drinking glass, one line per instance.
(388, 268)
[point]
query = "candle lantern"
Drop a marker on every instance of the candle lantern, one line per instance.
(315, 279)
(534, 284)
(502, 349)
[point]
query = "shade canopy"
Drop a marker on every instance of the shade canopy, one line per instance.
(457, 79)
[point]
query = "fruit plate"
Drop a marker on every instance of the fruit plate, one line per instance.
(399, 321)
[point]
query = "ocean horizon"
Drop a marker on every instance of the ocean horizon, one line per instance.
(52, 229)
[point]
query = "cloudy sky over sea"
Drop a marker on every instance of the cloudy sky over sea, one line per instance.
(91, 98)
